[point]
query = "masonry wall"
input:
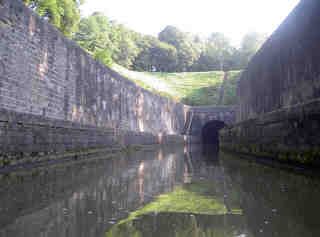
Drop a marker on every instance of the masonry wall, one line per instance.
(286, 71)
(279, 94)
(43, 73)
(55, 99)
(290, 135)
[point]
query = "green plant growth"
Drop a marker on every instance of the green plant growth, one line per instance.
(192, 209)
(191, 88)
(230, 89)
(189, 198)
(63, 14)
(183, 201)
(180, 225)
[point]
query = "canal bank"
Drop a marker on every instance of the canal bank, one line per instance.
(29, 140)
(278, 113)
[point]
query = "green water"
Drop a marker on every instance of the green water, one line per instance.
(163, 192)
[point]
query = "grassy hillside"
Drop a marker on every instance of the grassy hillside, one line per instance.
(192, 88)
(230, 88)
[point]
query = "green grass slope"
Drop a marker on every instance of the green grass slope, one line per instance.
(191, 88)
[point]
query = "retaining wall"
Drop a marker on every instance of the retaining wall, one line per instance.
(54, 97)
(43, 73)
(32, 139)
(286, 70)
(279, 111)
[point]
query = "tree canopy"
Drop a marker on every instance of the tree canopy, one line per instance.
(155, 56)
(172, 51)
(251, 43)
(185, 44)
(94, 35)
(64, 14)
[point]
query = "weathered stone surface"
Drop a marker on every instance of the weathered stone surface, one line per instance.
(27, 138)
(198, 116)
(55, 98)
(286, 71)
(279, 108)
(43, 73)
(290, 134)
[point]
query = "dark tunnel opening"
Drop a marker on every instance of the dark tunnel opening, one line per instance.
(210, 134)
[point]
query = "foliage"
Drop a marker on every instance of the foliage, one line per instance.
(213, 53)
(107, 41)
(185, 44)
(251, 43)
(64, 14)
(173, 50)
(104, 56)
(217, 54)
(125, 44)
(94, 36)
(155, 56)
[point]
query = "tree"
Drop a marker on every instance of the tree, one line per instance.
(104, 56)
(64, 14)
(251, 43)
(94, 36)
(171, 35)
(155, 56)
(185, 45)
(125, 44)
(217, 54)
(108, 41)
(218, 47)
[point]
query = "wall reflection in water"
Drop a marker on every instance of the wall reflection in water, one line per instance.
(84, 199)
(166, 192)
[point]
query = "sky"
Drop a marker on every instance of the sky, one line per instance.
(234, 18)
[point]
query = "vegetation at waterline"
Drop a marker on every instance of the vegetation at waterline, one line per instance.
(183, 207)
(189, 198)
(183, 201)
(180, 225)
(192, 88)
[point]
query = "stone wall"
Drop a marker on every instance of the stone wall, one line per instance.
(286, 71)
(279, 93)
(35, 140)
(43, 73)
(54, 98)
(198, 116)
(288, 135)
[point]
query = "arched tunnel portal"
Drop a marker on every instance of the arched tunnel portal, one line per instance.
(210, 132)
(202, 123)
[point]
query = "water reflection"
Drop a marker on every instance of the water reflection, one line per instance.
(165, 192)
(84, 199)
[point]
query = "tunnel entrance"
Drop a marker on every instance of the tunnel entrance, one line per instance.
(210, 133)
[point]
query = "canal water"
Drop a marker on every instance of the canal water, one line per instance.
(164, 192)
